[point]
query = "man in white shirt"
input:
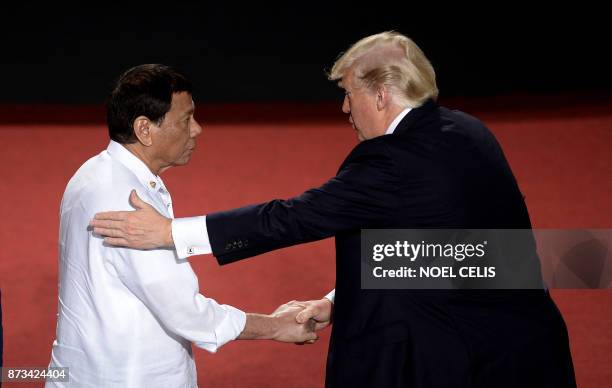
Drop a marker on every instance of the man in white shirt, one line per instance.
(127, 317)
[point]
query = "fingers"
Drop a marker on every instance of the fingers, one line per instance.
(295, 303)
(109, 216)
(106, 224)
(311, 337)
(309, 315)
(109, 232)
(136, 201)
(118, 242)
(308, 336)
(119, 229)
(306, 314)
(309, 342)
(310, 325)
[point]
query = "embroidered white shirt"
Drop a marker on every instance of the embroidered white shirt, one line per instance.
(127, 317)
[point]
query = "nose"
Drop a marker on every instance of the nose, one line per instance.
(346, 107)
(196, 128)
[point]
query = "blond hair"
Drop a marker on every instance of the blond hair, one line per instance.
(392, 60)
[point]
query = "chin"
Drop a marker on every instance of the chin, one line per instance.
(183, 161)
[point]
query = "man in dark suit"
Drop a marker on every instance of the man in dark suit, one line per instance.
(418, 165)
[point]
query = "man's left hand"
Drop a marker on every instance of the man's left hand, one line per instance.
(143, 228)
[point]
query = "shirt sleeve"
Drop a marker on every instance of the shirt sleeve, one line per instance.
(190, 236)
(169, 288)
(331, 296)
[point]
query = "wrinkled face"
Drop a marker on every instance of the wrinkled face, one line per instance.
(360, 104)
(175, 138)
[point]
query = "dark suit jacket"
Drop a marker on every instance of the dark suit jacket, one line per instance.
(440, 169)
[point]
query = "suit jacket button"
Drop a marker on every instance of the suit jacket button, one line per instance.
(239, 244)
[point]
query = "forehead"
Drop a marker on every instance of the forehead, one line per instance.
(182, 101)
(347, 80)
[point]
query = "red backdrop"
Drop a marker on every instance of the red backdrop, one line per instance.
(562, 160)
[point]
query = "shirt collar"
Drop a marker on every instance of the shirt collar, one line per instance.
(135, 165)
(397, 120)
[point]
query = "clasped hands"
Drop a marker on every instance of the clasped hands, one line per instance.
(299, 321)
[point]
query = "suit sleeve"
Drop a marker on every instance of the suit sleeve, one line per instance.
(362, 195)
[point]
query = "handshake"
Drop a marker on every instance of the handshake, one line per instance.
(293, 321)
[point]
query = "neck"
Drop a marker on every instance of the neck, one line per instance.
(391, 114)
(141, 153)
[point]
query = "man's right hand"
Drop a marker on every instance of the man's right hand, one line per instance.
(319, 311)
(289, 330)
(281, 325)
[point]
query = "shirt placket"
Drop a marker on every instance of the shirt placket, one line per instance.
(160, 190)
(167, 199)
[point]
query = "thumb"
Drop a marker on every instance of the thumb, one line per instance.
(136, 202)
(304, 315)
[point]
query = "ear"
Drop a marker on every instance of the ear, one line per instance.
(142, 129)
(383, 98)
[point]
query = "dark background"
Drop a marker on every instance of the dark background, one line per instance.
(265, 52)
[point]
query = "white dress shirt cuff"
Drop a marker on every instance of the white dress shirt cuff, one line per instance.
(332, 295)
(190, 236)
(230, 328)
